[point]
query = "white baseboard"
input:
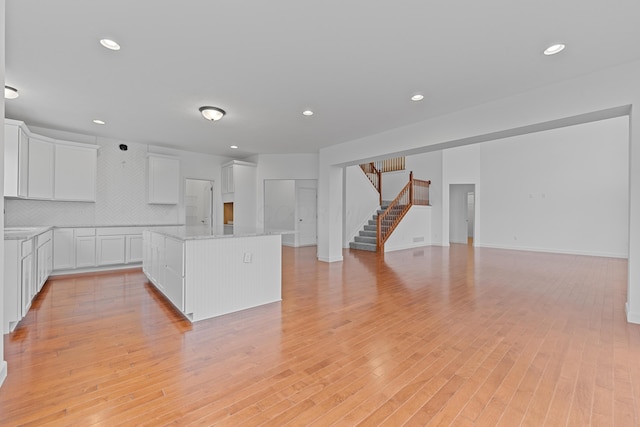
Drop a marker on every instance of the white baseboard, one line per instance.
(323, 259)
(3, 372)
(553, 250)
(97, 269)
(632, 317)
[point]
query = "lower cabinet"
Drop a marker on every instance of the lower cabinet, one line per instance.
(85, 251)
(163, 263)
(44, 259)
(20, 285)
(111, 250)
(86, 247)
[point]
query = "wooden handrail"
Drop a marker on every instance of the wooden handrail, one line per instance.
(415, 192)
(375, 177)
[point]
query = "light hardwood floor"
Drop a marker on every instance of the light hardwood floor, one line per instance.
(433, 336)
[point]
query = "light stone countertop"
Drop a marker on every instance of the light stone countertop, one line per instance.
(27, 232)
(203, 232)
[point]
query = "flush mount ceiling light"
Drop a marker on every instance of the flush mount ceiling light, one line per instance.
(553, 49)
(233, 146)
(212, 113)
(307, 113)
(417, 97)
(110, 44)
(10, 92)
(99, 122)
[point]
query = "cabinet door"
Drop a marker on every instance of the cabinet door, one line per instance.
(27, 284)
(110, 250)
(40, 182)
(163, 180)
(75, 173)
(64, 249)
(85, 251)
(133, 249)
(174, 272)
(41, 267)
(227, 179)
(16, 152)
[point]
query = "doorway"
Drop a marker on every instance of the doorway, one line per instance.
(462, 211)
(198, 202)
(291, 204)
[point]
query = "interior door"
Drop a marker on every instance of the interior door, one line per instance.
(306, 212)
(198, 203)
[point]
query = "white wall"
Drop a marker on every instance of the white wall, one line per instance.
(281, 166)
(562, 190)
(280, 207)
(361, 202)
(121, 197)
(413, 231)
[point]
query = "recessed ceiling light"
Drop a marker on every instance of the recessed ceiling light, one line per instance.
(10, 92)
(212, 113)
(553, 49)
(233, 146)
(110, 44)
(307, 113)
(417, 97)
(98, 122)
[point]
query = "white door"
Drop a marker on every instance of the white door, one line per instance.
(198, 202)
(306, 209)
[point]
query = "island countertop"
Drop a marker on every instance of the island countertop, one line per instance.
(204, 232)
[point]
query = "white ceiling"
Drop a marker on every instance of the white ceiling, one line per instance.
(355, 63)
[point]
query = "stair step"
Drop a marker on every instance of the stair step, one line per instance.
(364, 239)
(370, 227)
(373, 222)
(368, 233)
(363, 246)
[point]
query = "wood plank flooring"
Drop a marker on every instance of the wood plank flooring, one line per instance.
(433, 336)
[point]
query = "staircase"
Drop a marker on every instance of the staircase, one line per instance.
(416, 192)
(367, 238)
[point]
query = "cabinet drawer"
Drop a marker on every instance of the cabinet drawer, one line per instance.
(119, 231)
(44, 237)
(85, 232)
(27, 247)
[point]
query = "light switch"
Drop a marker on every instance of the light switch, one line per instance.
(248, 256)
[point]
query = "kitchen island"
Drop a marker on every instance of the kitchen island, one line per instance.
(205, 273)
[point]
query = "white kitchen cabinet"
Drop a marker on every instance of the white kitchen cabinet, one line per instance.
(75, 172)
(85, 247)
(27, 282)
(163, 179)
(242, 185)
(40, 174)
(64, 249)
(227, 178)
(44, 259)
(110, 250)
(174, 272)
(16, 160)
(133, 249)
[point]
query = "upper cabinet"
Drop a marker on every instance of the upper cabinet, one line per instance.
(16, 161)
(81, 184)
(239, 188)
(43, 168)
(163, 179)
(40, 184)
